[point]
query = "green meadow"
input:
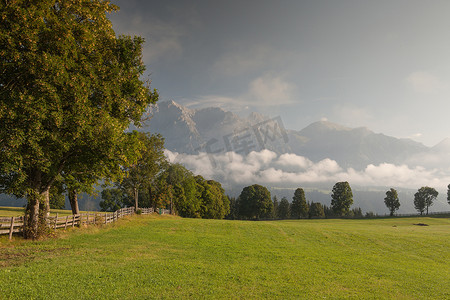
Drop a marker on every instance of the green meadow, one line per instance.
(166, 257)
(20, 211)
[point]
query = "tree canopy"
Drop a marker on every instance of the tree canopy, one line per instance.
(341, 198)
(255, 202)
(69, 89)
(214, 202)
(299, 207)
(144, 171)
(283, 210)
(316, 210)
(424, 198)
(392, 202)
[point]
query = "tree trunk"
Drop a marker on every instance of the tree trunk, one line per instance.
(136, 196)
(46, 206)
(32, 214)
(37, 212)
(73, 199)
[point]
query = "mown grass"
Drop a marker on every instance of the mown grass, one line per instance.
(167, 257)
(20, 211)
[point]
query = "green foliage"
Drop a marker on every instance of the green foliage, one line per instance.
(57, 197)
(329, 213)
(255, 202)
(69, 88)
(316, 211)
(190, 196)
(284, 211)
(424, 198)
(214, 202)
(112, 199)
(275, 207)
(370, 214)
(392, 202)
(357, 212)
(299, 208)
(142, 174)
(187, 193)
(341, 198)
(234, 209)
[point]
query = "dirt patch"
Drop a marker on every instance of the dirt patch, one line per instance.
(13, 256)
(421, 224)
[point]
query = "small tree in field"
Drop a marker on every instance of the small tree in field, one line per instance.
(392, 202)
(424, 198)
(341, 198)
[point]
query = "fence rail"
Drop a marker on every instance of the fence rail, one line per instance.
(10, 225)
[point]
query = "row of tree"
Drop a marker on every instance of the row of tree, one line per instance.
(151, 181)
(173, 187)
(423, 199)
(255, 202)
(69, 90)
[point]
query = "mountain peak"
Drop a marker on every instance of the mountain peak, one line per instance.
(325, 126)
(255, 117)
(443, 146)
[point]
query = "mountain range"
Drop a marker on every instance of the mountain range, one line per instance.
(297, 158)
(314, 157)
(214, 130)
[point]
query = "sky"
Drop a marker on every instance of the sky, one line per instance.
(381, 64)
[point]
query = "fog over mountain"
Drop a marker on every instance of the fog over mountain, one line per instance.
(258, 149)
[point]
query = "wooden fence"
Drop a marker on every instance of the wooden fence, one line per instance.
(10, 225)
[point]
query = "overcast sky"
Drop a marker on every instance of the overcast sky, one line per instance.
(380, 64)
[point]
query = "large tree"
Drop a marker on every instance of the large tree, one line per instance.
(186, 197)
(143, 173)
(112, 199)
(69, 88)
(392, 202)
(424, 198)
(299, 207)
(255, 203)
(341, 198)
(214, 202)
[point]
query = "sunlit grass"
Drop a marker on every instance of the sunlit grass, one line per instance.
(20, 211)
(168, 257)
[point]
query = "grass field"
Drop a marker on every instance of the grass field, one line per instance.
(19, 211)
(146, 257)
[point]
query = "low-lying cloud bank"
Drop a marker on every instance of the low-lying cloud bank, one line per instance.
(267, 167)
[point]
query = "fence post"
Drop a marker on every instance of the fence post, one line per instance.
(73, 221)
(65, 225)
(56, 220)
(11, 228)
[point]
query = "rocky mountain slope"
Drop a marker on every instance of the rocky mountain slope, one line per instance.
(215, 130)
